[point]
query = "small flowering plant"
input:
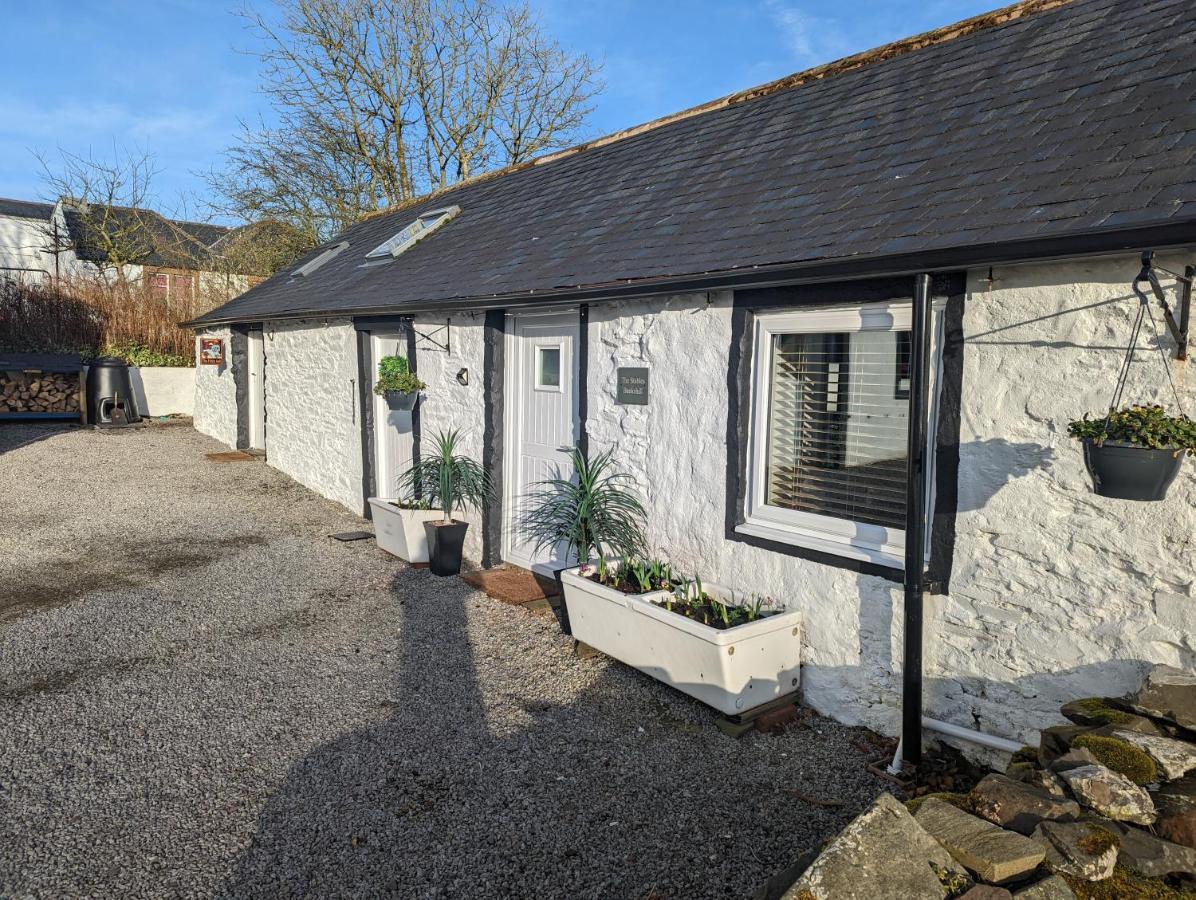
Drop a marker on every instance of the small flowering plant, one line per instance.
(1143, 426)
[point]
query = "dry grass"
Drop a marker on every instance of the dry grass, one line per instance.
(91, 317)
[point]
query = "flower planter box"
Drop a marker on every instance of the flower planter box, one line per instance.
(400, 532)
(733, 670)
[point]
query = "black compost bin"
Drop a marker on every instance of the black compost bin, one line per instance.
(110, 389)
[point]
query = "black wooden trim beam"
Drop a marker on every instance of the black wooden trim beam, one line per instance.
(946, 458)
(493, 381)
(583, 377)
(383, 323)
(413, 364)
(915, 523)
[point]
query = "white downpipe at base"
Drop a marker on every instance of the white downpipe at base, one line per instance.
(964, 734)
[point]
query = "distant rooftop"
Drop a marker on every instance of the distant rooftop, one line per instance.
(25, 209)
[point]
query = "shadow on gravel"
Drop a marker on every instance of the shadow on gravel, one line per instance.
(17, 434)
(446, 798)
(119, 564)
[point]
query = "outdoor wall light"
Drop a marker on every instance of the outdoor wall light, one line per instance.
(463, 377)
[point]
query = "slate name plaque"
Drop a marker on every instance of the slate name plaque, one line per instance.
(632, 387)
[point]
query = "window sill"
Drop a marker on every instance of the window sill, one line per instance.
(890, 558)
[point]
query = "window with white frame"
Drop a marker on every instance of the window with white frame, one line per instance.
(548, 368)
(828, 447)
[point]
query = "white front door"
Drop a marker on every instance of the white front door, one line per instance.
(257, 391)
(542, 424)
(394, 443)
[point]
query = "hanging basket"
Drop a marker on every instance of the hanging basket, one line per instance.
(1129, 471)
(1116, 451)
(401, 401)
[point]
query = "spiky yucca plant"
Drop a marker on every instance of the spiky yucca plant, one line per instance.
(446, 478)
(596, 514)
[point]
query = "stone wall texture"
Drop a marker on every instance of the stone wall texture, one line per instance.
(313, 414)
(1056, 593)
(447, 403)
(215, 410)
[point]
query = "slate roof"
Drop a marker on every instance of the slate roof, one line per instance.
(170, 243)
(25, 209)
(1075, 120)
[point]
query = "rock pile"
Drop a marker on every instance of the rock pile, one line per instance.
(1103, 807)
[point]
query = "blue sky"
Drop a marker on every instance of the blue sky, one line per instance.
(171, 76)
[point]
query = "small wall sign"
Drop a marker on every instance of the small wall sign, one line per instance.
(211, 351)
(632, 387)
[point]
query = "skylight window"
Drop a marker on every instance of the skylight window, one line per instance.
(311, 265)
(423, 226)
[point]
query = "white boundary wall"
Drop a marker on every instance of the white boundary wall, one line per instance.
(163, 391)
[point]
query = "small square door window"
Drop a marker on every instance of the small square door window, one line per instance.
(548, 368)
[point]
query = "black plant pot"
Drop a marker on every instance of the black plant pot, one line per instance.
(1131, 472)
(401, 401)
(444, 546)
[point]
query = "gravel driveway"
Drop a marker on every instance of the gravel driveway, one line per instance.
(201, 694)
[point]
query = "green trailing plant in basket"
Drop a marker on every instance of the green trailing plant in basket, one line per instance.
(596, 515)
(1143, 426)
(394, 374)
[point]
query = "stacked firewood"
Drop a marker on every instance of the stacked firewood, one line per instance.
(39, 392)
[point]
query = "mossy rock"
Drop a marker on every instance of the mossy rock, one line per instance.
(955, 883)
(960, 801)
(1120, 756)
(1125, 884)
(1098, 840)
(1025, 755)
(1018, 770)
(1095, 711)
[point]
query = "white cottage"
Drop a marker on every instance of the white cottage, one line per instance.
(677, 291)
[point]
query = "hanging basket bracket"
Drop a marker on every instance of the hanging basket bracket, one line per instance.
(1176, 319)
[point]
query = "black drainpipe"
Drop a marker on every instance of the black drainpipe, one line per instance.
(915, 525)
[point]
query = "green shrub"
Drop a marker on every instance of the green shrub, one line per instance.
(394, 374)
(141, 355)
(1146, 426)
(1120, 756)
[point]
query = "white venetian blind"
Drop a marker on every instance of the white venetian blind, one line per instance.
(837, 425)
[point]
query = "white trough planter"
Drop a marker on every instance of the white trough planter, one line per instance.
(733, 670)
(400, 532)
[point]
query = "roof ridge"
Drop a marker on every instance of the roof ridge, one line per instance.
(892, 50)
(141, 209)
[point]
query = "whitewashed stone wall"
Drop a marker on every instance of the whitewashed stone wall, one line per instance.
(447, 403)
(1056, 593)
(313, 415)
(215, 410)
(676, 447)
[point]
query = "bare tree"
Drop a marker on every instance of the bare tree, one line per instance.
(380, 101)
(108, 221)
